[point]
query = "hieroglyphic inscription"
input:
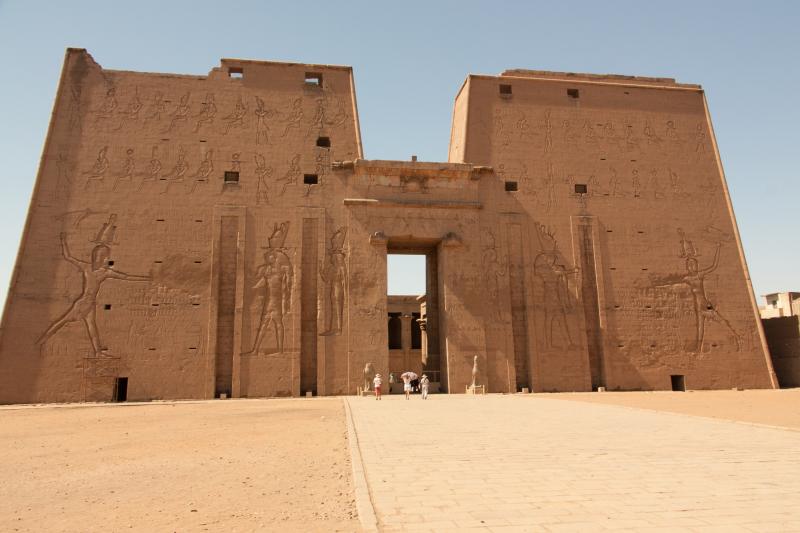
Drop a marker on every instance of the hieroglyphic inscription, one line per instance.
(181, 113)
(178, 172)
(131, 111)
(98, 170)
(264, 174)
(262, 127)
(154, 167)
(208, 110)
(127, 171)
(295, 117)
(203, 173)
(236, 119)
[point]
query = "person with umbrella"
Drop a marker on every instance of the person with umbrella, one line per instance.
(407, 378)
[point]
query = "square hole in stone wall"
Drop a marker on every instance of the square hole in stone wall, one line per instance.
(324, 142)
(231, 176)
(511, 186)
(573, 93)
(310, 179)
(314, 79)
(505, 90)
(236, 72)
(581, 188)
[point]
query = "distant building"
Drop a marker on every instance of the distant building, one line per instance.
(781, 319)
(780, 304)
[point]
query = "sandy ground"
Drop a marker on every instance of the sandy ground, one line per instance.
(769, 407)
(235, 465)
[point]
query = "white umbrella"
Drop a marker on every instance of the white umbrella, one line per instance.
(410, 375)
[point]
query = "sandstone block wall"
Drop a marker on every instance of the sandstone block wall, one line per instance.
(189, 267)
(635, 266)
(223, 235)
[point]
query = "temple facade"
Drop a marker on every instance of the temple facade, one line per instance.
(223, 236)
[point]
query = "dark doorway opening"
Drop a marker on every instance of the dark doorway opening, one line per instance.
(412, 309)
(121, 389)
(395, 331)
(678, 383)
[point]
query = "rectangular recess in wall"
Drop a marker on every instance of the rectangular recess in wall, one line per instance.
(308, 307)
(226, 304)
(519, 319)
(591, 305)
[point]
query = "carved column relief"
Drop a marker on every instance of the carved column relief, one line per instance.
(334, 274)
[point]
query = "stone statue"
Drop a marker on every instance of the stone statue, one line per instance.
(474, 373)
(369, 374)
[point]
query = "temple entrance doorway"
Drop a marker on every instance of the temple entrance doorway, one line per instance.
(412, 314)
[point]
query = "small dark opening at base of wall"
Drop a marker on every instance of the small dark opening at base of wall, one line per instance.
(678, 383)
(121, 389)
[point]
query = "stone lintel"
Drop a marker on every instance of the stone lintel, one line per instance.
(417, 169)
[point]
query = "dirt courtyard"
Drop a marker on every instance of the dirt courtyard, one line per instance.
(769, 407)
(232, 465)
(269, 465)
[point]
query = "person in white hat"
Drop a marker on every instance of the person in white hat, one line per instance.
(377, 382)
(424, 383)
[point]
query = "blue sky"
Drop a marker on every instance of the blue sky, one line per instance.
(410, 58)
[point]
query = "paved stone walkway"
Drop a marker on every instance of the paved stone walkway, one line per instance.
(532, 463)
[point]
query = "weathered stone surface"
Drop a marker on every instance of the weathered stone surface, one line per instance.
(222, 234)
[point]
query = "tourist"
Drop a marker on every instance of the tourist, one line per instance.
(406, 384)
(377, 382)
(424, 383)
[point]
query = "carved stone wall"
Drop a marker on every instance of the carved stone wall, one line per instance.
(222, 234)
(157, 157)
(624, 175)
